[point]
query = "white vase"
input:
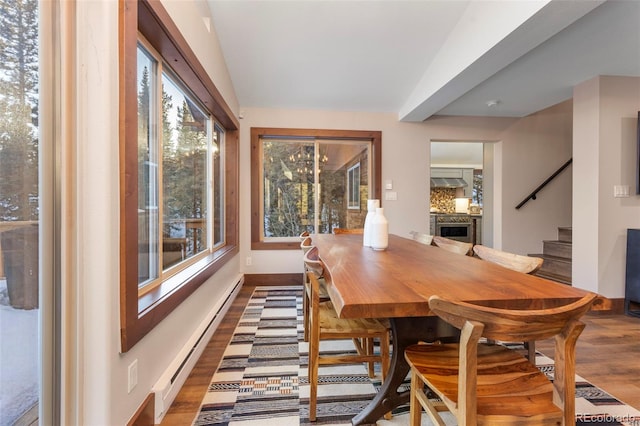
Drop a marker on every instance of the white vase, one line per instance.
(379, 230)
(372, 205)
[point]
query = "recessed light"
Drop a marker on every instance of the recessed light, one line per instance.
(493, 102)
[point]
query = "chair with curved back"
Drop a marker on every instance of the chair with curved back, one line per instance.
(306, 244)
(324, 324)
(421, 237)
(515, 262)
(458, 247)
(483, 384)
(311, 263)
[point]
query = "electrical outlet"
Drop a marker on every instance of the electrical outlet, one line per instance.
(248, 261)
(133, 376)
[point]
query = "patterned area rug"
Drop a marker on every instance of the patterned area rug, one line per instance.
(262, 378)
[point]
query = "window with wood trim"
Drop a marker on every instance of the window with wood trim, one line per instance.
(179, 170)
(310, 180)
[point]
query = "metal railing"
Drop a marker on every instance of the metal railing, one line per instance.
(533, 194)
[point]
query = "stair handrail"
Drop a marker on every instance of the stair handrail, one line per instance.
(534, 193)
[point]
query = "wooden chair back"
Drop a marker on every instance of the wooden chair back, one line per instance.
(306, 244)
(348, 231)
(312, 262)
(495, 384)
(421, 238)
(453, 246)
(511, 324)
(515, 262)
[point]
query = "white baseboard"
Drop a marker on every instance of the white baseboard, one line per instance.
(169, 384)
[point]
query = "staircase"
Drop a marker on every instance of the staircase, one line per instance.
(557, 257)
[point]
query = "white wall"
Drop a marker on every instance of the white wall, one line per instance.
(405, 161)
(526, 151)
(586, 188)
(101, 371)
(491, 195)
(193, 18)
(605, 120)
(532, 150)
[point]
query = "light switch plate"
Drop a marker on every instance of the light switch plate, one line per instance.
(621, 191)
(132, 376)
(388, 184)
(391, 195)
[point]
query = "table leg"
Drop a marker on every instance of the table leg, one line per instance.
(404, 332)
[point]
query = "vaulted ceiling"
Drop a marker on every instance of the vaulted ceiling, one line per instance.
(423, 57)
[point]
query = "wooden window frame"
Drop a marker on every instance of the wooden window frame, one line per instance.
(375, 137)
(139, 315)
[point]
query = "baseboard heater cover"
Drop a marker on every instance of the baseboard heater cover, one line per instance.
(169, 384)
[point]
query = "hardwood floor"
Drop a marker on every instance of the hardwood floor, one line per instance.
(608, 355)
(187, 402)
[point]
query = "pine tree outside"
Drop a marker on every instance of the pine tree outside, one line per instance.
(305, 185)
(179, 153)
(19, 207)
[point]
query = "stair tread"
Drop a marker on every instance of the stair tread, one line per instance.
(551, 257)
(557, 257)
(555, 277)
(557, 248)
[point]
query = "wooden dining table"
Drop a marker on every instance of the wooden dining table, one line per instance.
(396, 284)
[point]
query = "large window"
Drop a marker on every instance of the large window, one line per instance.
(179, 147)
(179, 171)
(310, 180)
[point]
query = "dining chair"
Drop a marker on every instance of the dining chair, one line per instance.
(515, 262)
(348, 231)
(306, 244)
(311, 262)
(453, 246)
(421, 237)
(484, 384)
(314, 264)
(326, 325)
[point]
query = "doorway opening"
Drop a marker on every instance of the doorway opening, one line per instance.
(458, 190)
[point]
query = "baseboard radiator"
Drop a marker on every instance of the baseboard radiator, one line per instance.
(169, 384)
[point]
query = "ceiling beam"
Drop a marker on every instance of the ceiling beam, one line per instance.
(488, 37)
